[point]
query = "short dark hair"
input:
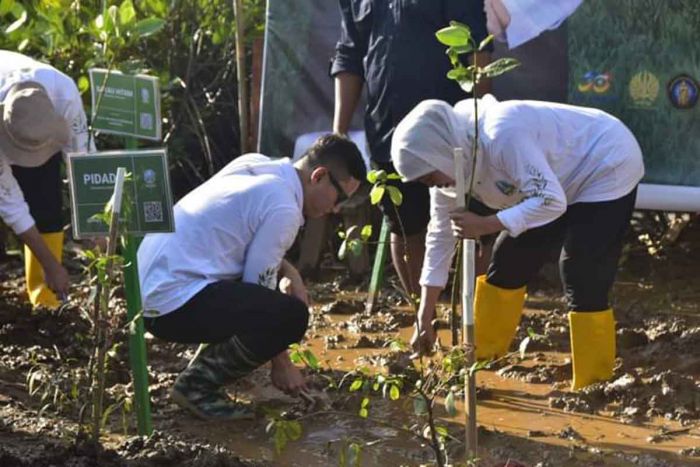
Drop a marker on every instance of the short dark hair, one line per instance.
(340, 155)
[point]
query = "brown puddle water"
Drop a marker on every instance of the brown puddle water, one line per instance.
(519, 423)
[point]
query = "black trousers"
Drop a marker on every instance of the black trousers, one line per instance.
(590, 236)
(41, 187)
(266, 321)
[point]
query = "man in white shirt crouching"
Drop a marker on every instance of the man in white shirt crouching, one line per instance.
(214, 280)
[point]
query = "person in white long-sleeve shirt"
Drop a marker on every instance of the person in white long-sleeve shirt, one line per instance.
(39, 186)
(215, 279)
(519, 21)
(553, 176)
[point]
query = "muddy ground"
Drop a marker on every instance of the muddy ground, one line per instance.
(648, 414)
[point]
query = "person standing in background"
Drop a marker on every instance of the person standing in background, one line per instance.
(41, 185)
(390, 46)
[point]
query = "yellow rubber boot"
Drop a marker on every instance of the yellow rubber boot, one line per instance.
(497, 314)
(592, 346)
(39, 292)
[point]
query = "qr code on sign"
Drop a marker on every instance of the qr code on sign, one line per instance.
(153, 211)
(146, 121)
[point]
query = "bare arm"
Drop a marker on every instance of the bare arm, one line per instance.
(348, 89)
(55, 274)
(424, 335)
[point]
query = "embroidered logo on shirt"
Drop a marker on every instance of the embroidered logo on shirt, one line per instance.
(506, 188)
(537, 185)
(268, 278)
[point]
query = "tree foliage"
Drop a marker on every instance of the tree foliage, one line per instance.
(188, 45)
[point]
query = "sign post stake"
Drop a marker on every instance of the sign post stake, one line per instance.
(137, 343)
(129, 105)
(377, 278)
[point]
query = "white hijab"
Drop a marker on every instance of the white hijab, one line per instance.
(425, 139)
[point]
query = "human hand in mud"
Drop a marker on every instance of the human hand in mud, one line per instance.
(423, 340)
(57, 279)
(285, 376)
(466, 224)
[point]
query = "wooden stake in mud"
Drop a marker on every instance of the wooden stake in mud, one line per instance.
(468, 281)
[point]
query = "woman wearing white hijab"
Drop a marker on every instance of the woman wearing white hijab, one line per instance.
(555, 176)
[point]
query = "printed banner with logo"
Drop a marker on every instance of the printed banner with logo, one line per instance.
(637, 59)
(640, 61)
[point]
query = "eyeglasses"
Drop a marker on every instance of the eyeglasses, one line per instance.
(342, 196)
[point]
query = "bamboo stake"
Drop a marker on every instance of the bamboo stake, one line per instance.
(468, 273)
(241, 74)
(100, 302)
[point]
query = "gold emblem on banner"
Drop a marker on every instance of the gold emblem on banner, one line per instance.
(644, 89)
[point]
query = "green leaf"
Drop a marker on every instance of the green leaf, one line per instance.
(393, 176)
(372, 176)
(216, 38)
(354, 452)
(441, 431)
(355, 247)
(280, 440)
(311, 360)
(398, 346)
(356, 385)
(453, 55)
(454, 35)
(83, 84)
(158, 6)
(295, 357)
(531, 332)
(365, 402)
(366, 232)
(351, 231)
(342, 251)
(375, 196)
(523, 346)
(23, 45)
(394, 392)
(466, 85)
(478, 366)
(458, 50)
(149, 26)
(6, 6)
(18, 22)
(127, 14)
(486, 42)
(450, 406)
(419, 405)
(395, 195)
(293, 429)
(111, 23)
(364, 413)
(500, 66)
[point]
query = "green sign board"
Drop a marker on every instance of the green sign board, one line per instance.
(147, 205)
(125, 104)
